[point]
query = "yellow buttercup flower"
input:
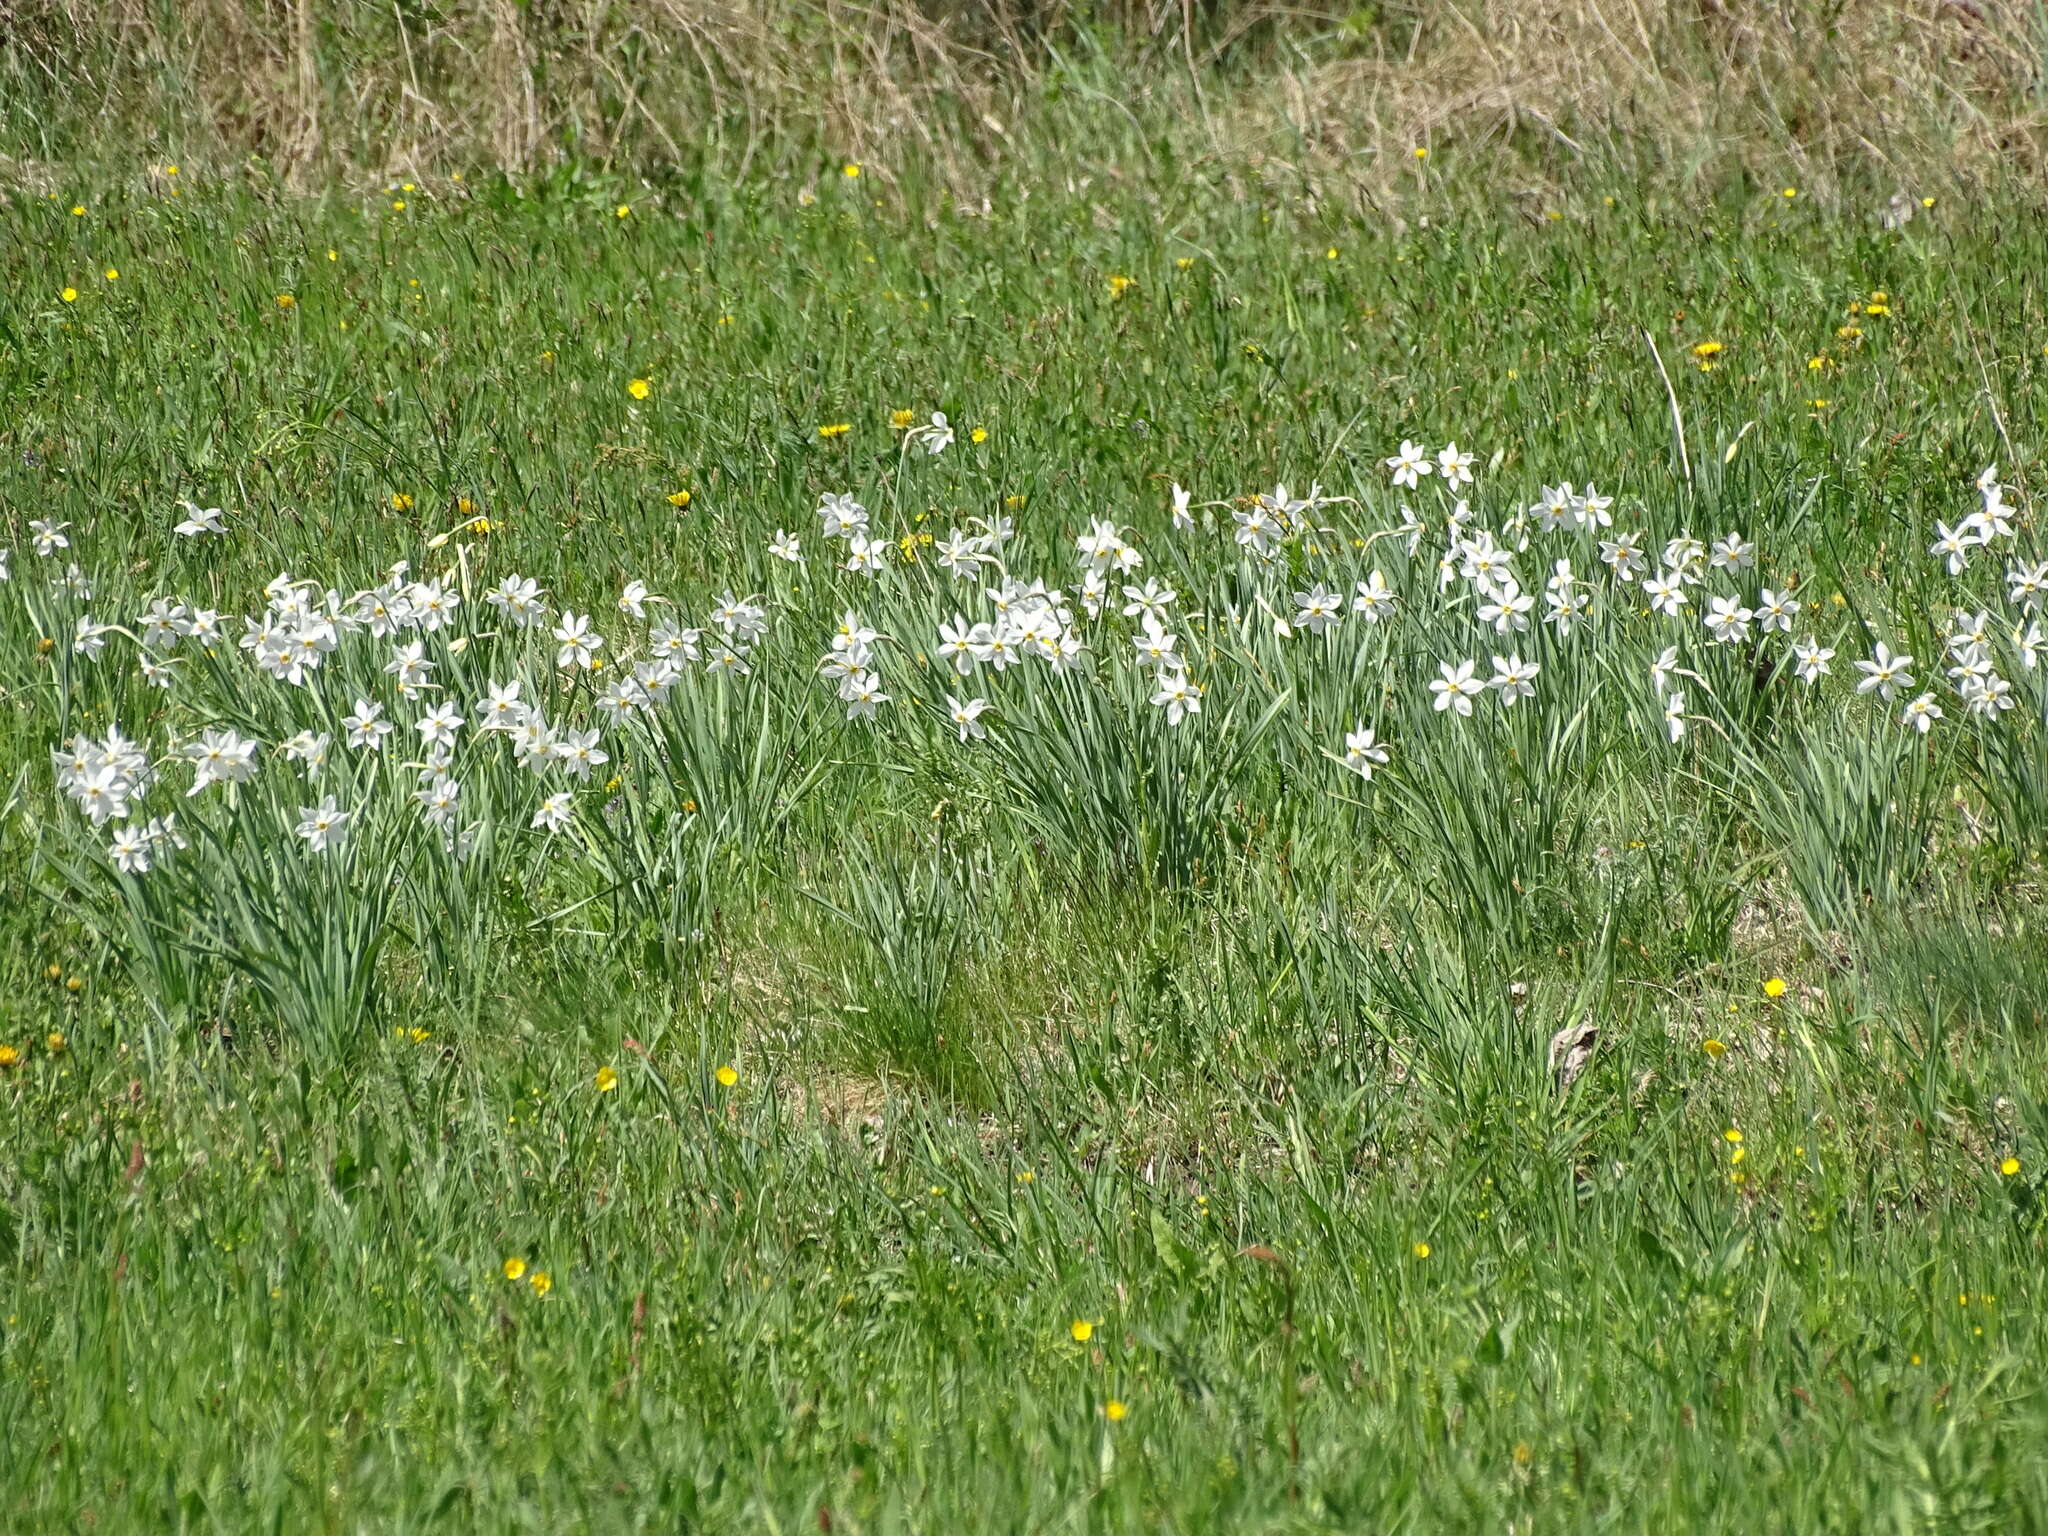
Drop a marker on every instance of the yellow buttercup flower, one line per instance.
(2009, 1167)
(1775, 987)
(639, 389)
(1714, 1048)
(1420, 1250)
(514, 1268)
(541, 1282)
(901, 419)
(1115, 1411)
(607, 1079)
(69, 295)
(1081, 1330)
(727, 1076)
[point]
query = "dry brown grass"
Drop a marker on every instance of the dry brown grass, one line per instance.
(1871, 94)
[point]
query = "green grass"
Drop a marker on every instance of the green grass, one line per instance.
(1181, 1032)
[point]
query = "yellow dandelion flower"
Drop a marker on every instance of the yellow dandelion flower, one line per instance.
(835, 429)
(74, 985)
(54, 1042)
(1119, 284)
(541, 1282)
(679, 498)
(1707, 349)
(398, 205)
(901, 419)
(1183, 262)
(1115, 1411)
(978, 435)
(78, 211)
(400, 502)
(607, 1079)
(1714, 1048)
(514, 1268)
(9, 1056)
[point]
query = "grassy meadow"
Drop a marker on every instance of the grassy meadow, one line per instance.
(806, 1114)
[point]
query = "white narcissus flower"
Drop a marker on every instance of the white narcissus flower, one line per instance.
(323, 826)
(966, 716)
(200, 520)
(1410, 464)
(1456, 689)
(1177, 696)
(1363, 752)
(1514, 677)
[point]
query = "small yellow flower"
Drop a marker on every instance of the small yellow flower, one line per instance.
(624, 211)
(53, 973)
(978, 435)
(398, 206)
(835, 429)
(1115, 1411)
(1732, 1136)
(1714, 1048)
(1775, 987)
(1815, 364)
(1707, 349)
(54, 1042)
(9, 1056)
(901, 419)
(1926, 202)
(333, 255)
(69, 295)
(1848, 332)
(400, 502)
(285, 301)
(850, 170)
(1420, 1250)
(1183, 262)
(170, 170)
(1330, 254)
(1877, 309)
(607, 1079)
(2009, 1167)
(1013, 502)
(73, 985)
(1119, 284)
(1738, 1154)
(78, 211)
(1421, 153)
(727, 1076)
(1081, 1330)
(639, 389)
(112, 274)
(1789, 192)
(679, 498)
(541, 1282)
